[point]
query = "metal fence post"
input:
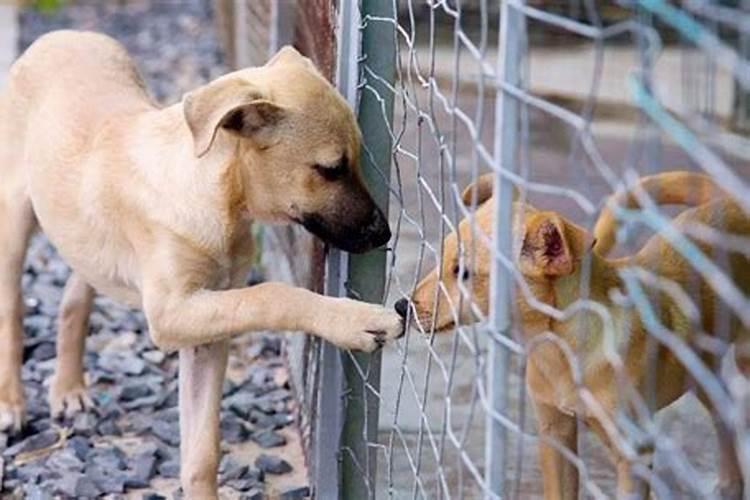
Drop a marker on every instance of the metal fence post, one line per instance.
(510, 57)
(326, 473)
(366, 276)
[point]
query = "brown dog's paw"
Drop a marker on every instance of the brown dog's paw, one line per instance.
(12, 408)
(67, 401)
(364, 327)
(11, 417)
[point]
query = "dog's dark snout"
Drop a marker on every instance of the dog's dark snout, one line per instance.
(402, 307)
(380, 229)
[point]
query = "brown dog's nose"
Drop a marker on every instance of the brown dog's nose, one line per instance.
(402, 307)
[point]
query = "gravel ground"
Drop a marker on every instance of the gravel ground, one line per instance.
(128, 446)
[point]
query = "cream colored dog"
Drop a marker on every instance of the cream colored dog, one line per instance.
(153, 207)
(551, 253)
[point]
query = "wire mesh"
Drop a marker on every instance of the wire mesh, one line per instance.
(564, 103)
(578, 102)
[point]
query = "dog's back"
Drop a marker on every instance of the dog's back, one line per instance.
(724, 218)
(84, 80)
(66, 115)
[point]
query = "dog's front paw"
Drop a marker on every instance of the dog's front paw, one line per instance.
(12, 407)
(360, 326)
(68, 399)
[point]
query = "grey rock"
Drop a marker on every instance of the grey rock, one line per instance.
(233, 470)
(108, 428)
(84, 424)
(252, 494)
(108, 480)
(295, 493)
(38, 323)
(35, 492)
(80, 447)
(268, 439)
(170, 469)
(77, 486)
(135, 390)
(234, 430)
(32, 443)
(107, 458)
(3, 441)
(12, 484)
(39, 425)
(2, 472)
(148, 401)
(144, 469)
(135, 422)
(271, 464)
(243, 484)
(44, 351)
(168, 415)
(153, 496)
(121, 362)
(167, 432)
(241, 403)
(65, 460)
(30, 473)
(155, 357)
(274, 421)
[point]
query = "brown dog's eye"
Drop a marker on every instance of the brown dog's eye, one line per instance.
(332, 172)
(457, 269)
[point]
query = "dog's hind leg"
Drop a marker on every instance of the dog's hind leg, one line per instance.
(202, 371)
(17, 222)
(67, 394)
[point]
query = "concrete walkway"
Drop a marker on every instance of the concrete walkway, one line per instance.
(8, 38)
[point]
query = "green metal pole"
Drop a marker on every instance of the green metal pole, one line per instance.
(367, 271)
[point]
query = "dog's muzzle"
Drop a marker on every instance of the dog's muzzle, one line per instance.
(353, 237)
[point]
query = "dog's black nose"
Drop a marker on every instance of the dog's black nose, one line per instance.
(402, 307)
(381, 230)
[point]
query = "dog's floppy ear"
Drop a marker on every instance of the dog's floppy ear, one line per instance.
(550, 245)
(289, 55)
(233, 105)
(483, 187)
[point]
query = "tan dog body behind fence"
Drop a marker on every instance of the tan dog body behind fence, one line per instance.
(551, 254)
(153, 206)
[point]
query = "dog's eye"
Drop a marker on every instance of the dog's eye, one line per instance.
(465, 276)
(332, 172)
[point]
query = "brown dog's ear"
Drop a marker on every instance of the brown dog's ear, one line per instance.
(233, 105)
(289, 55)
(549, 246)
(483, 187)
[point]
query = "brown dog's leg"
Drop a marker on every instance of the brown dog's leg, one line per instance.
(730, 485)
(201, 377)
(67, 394)
(180, 320)
(559, 474)
(16, 225)
(628, 486)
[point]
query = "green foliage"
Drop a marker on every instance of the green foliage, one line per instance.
(48, 6)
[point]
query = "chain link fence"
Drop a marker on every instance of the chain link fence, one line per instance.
(564, 104)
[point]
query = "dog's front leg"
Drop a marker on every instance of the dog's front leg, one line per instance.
(559, 474)
(179, 319)
(201, 377)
